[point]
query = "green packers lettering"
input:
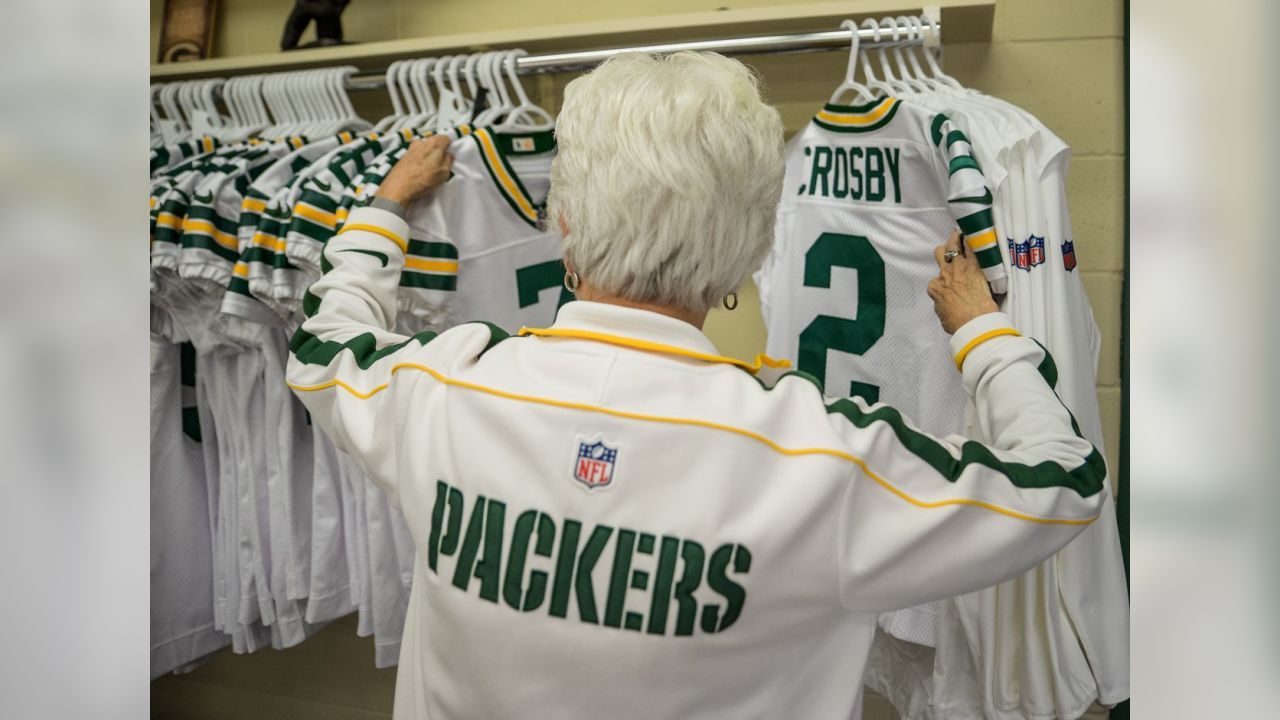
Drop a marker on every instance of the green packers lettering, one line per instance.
(853, 173)
(532, 562)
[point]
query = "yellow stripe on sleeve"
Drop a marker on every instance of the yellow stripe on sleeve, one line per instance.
(314, 214)
(969, 346)
(205, 227)
(435, 266)
(399, 241)
(982, 241)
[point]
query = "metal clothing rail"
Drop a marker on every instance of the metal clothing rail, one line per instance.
(752, 45)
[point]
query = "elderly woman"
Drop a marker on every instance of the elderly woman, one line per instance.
(615, 521)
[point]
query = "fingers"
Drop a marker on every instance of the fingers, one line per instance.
(939, 256)
(953, 242)
(934, 288)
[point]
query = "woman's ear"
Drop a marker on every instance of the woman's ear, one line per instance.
(564, 227)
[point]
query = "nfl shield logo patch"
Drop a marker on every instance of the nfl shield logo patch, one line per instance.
(1026, 255)
(1069, 255)
(595, 464)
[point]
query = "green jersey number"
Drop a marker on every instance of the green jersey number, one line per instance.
(827, 332)
(532, 280)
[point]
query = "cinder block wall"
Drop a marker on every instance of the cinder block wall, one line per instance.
(1064, 62)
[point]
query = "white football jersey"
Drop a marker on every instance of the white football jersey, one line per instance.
(182, 617)
(869, 192)
(329, 595)
(612, 497)
(477, 246)
(1048, 643)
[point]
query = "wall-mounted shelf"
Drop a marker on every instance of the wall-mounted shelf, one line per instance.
(965, 21)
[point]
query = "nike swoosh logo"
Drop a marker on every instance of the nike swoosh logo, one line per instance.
(370, 253)
(206, 198)
(324, 186)
(983, 199)
(272, 211)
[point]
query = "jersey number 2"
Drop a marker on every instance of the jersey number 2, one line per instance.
(836, 333)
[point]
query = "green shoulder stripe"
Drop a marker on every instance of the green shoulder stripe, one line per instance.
(1086, 480)
(364, 348)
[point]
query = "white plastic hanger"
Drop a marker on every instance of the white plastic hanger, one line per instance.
(932, 44)
(276, 107)
(409, 93)
(903, 23)
(412, 78)
(499, 101)
(527, 116)
(418, 78)
(851, 69)
(469, 73)
(915, 34)
(898, 87)
(397, 109)
(156, 118)
(464, 102)
(353, 119)
(187, 101)
(168, 101)
(864, 57)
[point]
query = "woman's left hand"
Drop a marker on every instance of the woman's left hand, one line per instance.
(422, 169)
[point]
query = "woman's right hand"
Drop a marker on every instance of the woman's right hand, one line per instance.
(960, 291)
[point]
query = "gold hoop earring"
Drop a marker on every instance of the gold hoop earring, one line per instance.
(571, 282)
(734, 304)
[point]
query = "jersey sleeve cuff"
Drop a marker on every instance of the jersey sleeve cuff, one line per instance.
(379, 222)
(978, 331)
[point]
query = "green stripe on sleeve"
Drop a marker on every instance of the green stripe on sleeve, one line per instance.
(977, 222)
(936, 129)
(204, 242)
(961, 163)
(990, 257)
(204, 212)
(319, 200)
(309, 228)
(423, 248)
(428, 281)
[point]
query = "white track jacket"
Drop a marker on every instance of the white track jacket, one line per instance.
(612, 520)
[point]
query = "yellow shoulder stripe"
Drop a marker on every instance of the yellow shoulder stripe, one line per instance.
(690, 422)
(761, 360)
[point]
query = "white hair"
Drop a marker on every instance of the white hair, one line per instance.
(668, 175)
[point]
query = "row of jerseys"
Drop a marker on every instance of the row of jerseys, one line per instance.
(870, 191)
(242, 226)
(261, 531)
